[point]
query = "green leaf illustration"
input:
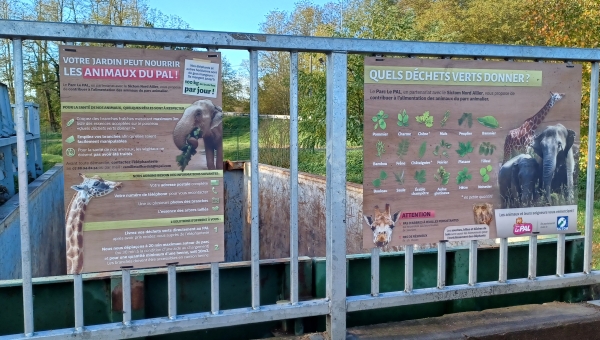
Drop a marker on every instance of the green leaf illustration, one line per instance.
(463, 175)
(402, 118)
(488, 168)
(379, 120)
(403, 148)
(464, 148)
(377, 183)
(380, 148)
(468, 117)
(422, 149)
(482, 171)
(486, 178)
(445, 119)
(383, 175)
(442, 176)
(489, 122)
(399, 177)
(425, 119)
(420, 176)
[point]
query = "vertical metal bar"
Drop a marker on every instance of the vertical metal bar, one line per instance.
(335, 201)
(532, 257)
(172, 288)
(441, 273)
(214, 266)
(294, 177)
(23, 190)
(374, 271)
(214, 287)
(589, 188)
(126, 288)
(78, 292)
(560, 255)
(502, 275)
(473, 262)
(254, 234)
(408, 268)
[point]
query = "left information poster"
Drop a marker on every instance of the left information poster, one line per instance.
(143, 157)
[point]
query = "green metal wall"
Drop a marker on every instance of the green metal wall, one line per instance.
(457, 272)
(53, 297)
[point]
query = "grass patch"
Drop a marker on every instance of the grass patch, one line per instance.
(236, 138)
(314, 162)
(51, 149)
(50, 160)
(596, 233)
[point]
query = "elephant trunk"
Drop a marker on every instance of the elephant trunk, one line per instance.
(184, 126)
(548, 168)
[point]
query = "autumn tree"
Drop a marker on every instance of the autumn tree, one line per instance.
(233, 89)
(41, 66)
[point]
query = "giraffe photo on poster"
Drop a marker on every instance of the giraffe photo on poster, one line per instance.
(89, 188)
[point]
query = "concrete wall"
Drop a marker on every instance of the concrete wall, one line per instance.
(46, 227)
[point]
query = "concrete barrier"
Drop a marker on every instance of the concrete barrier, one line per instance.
(46, 225)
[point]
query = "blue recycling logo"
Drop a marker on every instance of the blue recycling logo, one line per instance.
(562, 223)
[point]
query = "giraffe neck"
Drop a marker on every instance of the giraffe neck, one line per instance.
(538, 118)
(74, 232)
(76, 211)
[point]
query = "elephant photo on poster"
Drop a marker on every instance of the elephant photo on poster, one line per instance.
(200, 130)
(539, 167)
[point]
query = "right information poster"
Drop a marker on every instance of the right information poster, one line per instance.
(466, 150)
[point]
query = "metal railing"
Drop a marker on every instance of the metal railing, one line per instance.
(336, 304)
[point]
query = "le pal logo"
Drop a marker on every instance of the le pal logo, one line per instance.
(520, 228)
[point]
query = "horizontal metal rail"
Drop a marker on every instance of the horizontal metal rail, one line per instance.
(156, 36)
(186, 322)
(465, 291)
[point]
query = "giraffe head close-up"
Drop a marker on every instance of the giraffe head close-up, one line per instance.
(557, 96)
(382, 225)
(95, 186)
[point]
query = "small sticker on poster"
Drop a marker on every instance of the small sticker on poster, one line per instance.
(200, 78)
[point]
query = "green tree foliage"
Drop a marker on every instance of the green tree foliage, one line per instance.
(233, 89)
(568, 24)
(41, 65)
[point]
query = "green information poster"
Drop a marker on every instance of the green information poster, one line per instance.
(143, 157)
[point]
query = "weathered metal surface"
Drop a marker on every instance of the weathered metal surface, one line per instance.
(228, 40)
(137, 295)
(254, 221)
(591, 168)
(294, 177)
(274, 213)
(47, 220)
(274, 207)
(233, 183)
